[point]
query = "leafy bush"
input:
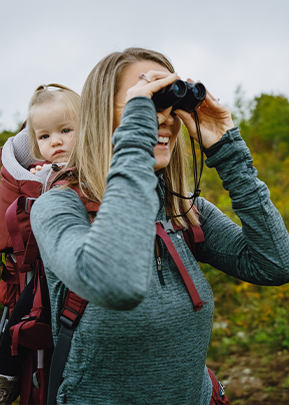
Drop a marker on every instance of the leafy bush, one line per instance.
(249, 316)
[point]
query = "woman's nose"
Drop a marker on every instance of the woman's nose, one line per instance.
(165, 117)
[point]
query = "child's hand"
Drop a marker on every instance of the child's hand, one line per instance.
(37, 168)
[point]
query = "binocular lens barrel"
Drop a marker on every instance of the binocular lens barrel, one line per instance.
(179, 89)
(169, 95)
(180, 95)
(199, 91)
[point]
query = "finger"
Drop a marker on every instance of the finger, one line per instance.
(212, 102)
(184, 115)
(156, 74)
(152, 75)
(158, 84)
(153, 82)
(210, 96)
(189, 122)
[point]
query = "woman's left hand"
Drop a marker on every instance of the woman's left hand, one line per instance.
(215, 120)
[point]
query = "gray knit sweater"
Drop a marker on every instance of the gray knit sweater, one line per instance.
(140, 342)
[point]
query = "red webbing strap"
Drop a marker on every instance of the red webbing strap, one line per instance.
(192, 235)
(90, 206)
(31, 250)
(15, 338)
(198, 233)
(24, 256)
(194, 230)
(34, 314)
(197, 302)
(74, 307)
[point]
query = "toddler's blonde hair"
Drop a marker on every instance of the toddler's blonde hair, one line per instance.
(42, 95)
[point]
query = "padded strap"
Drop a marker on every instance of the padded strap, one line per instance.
(196, 299)
(193, 234)
(74, 307)
(34, 314)
(16, 228)
(59, 358)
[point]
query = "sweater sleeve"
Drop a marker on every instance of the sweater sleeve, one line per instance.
(257, 252)
(107, 263)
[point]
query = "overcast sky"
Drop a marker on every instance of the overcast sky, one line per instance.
(223, 43)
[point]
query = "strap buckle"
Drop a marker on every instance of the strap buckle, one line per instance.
(28, 204)
(67, 322)
(168, 226)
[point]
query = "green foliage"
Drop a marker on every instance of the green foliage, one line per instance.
(250, 317)
(269, 123)
(4, 135)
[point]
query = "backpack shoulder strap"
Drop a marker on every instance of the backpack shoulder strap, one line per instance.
(74, 306)
(73, 310)
(162, 230)
(63, 178)
(193, 234)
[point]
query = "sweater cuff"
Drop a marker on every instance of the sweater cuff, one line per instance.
(228, 137)
(230, 147)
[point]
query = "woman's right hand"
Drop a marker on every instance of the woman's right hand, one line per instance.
(133, 84)
(157, 81)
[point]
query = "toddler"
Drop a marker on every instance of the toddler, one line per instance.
(52, 118)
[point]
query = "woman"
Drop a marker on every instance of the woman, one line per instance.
(141, 340)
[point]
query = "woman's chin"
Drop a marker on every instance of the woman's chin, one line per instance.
(162, 162)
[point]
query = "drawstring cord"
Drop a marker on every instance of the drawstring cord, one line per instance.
(197, 179)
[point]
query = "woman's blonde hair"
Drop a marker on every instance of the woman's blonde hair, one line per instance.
(93, 145)
(42, 95)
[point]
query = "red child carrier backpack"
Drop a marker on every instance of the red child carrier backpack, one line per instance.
(23, 288)
(21, 262)
(23, 277)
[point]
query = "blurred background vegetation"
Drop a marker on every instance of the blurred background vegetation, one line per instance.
(251, 331)
(250, 342)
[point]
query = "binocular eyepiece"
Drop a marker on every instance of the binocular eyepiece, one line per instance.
(180, 95)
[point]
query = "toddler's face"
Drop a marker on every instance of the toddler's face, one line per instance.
(55, 131)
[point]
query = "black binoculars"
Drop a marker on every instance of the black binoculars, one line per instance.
(180, 95)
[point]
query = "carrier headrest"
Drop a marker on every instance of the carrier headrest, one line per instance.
(16, 157)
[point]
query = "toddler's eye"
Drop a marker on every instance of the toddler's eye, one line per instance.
(44, 136)
(66, 130)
